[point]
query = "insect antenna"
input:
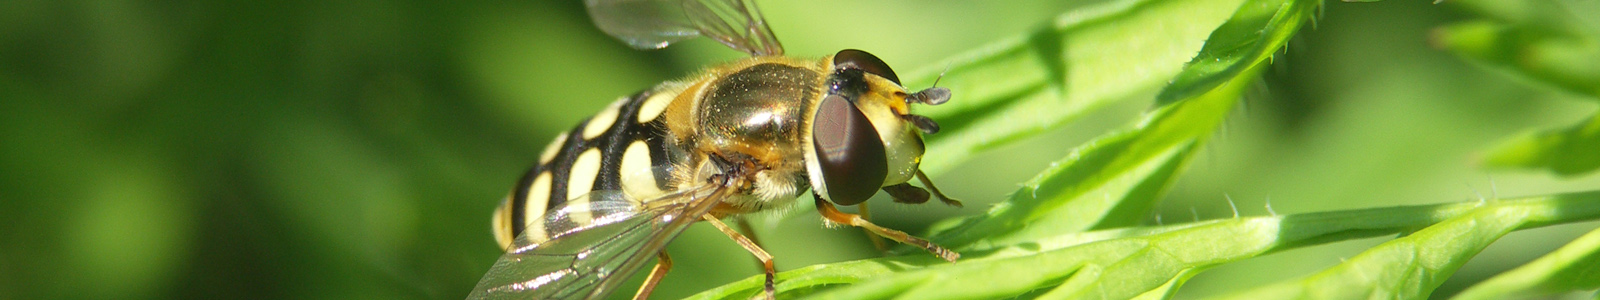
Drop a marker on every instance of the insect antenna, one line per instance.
(934, 95)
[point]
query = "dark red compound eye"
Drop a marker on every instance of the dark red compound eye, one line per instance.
(857, 59)
(849, 151)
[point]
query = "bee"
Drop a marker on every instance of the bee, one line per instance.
(743, 137)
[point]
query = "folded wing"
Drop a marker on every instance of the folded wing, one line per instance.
(585, 248)
(654, 24)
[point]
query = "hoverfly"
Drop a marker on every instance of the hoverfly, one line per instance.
(742, 137)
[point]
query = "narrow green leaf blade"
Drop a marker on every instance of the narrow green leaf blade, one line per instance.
(811, 279)
(1553, 15)
(1250, 37)
(1563, 59)
(1083, 60)
(1089, 187)
(1570, 151)
(1569, 269)
(1126, 263)
(1412, 266)
(1555, 42)
(1166, 291)
(1115, 180)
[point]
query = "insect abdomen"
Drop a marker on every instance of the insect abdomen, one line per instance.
(625, 147)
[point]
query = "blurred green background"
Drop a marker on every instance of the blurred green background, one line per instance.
(354, 149)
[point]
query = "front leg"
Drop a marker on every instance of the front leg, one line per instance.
(831, 213)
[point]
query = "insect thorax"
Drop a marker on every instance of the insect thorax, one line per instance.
(760, 112)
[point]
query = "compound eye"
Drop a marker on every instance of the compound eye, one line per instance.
(857, 59)
(849, 152)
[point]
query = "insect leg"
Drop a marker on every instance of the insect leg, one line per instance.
(907, 193)
(766, 259)
(833, 214)
(936, 193)
(663, 264)
(749, 231)
(877, 241)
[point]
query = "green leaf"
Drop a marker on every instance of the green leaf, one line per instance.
(1167, 290)
(1567, 151)
(1085, 59)
(1091, 187)
(1544, 15)
(1250, 37)
(1411, 267)
(814, 278)
(1037, 244)
(1147, 261)
(1543, 41)
(1569, 269)
(1115, 180)
(1538, 40)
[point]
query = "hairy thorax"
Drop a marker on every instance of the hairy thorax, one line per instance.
(758, 113)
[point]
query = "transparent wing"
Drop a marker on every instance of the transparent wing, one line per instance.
(653, 24)
(589, 245)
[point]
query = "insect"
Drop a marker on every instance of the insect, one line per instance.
(743, 137)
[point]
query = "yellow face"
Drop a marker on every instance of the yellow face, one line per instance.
(883, 104)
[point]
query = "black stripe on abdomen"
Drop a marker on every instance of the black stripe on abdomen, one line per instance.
(610, 146)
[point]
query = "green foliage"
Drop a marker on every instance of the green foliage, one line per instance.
(1129, 262)
(1412, 266)
(1065, 234)
(1547, 42)
(1117, 179)
(1566, 151)
(1568, 269)
(1106, 183)
(1082, 61)
(354, 150)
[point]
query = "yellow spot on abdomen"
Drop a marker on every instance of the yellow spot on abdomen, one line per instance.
(584, 171)
(638, 175)
(600, 122)
(653, 107)
(551, 149)
(534, 208)
(501, 223)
